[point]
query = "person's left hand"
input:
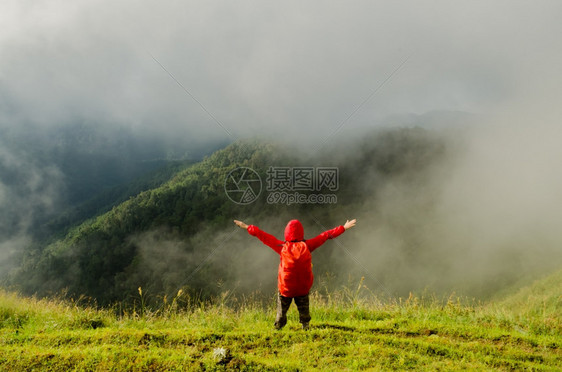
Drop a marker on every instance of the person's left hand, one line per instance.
(241, 224)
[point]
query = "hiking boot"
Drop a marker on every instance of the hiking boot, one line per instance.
(305, 326)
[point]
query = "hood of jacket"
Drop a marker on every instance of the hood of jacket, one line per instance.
(294, 231)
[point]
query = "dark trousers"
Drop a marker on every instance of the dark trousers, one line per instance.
(283, 304)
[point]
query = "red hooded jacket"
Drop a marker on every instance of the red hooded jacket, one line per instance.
(295, 267)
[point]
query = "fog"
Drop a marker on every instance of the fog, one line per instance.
(198, 73)
(269, 68)
(486, 216)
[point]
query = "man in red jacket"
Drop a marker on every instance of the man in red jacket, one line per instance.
(295, 267)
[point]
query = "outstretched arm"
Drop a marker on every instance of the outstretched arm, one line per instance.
(330, 234)
(266, 238)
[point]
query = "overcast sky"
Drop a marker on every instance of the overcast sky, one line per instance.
(257, 67)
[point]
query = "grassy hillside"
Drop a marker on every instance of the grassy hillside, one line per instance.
(541, 300)
(348, 331)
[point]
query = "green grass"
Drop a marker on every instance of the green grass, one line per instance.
(348, 332)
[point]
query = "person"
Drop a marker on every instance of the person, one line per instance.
(295, 276)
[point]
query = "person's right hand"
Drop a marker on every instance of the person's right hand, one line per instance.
(349, 224)
(241, 224)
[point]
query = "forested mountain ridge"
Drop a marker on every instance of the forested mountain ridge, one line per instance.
(58, 226)
(180, 234)
(52, 178)
(98, 249)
